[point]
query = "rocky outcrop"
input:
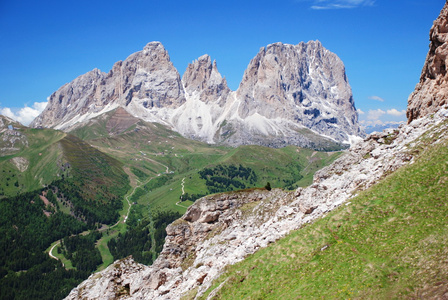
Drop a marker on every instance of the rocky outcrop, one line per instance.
(12, 140)
(223, 229)
(72, 99)
(149, 80)
(290, 94)
(21, 163)
(207, 94)
(432, 91)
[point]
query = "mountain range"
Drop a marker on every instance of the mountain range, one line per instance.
(370, 226)
(99, 185)
(289, 95)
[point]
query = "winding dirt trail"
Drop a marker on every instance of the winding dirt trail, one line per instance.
(129, 202)
(183, 192)
(183, 185)
(51, 250)
(106, 227)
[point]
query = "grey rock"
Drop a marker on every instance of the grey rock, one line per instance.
(202, 77)
(143, 84)
(289, 94)
(305, 84)
(431, 92)
(12, 140)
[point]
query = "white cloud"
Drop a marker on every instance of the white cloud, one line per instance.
(381, 117)
(397, 113)
(375, 114)
(26, 114)
(376, 98)
(340, 4)
(360, 112)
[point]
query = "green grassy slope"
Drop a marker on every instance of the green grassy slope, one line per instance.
(151, 150)
(160, 162)
(390, 242)
(41, 159)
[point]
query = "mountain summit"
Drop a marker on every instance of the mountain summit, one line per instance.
(289, 94)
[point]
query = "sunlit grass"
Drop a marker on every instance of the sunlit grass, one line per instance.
(390, 242)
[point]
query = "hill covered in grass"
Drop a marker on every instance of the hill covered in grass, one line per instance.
(150, 150)
(53, 185)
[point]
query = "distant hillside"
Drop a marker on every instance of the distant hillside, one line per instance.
(37, 158)
(29, 158)
(151, 150)
(53, 186)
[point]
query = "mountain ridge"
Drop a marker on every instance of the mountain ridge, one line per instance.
(285, 90)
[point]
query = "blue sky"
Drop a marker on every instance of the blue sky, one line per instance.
(45, 44)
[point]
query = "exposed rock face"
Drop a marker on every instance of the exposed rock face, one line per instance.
(21, 163)
(432, 91)
(223, 229)
(305, 84)
(207, 93)
(11, 139)
(285, 90)
(202, 77)
(145, 83)
(289, 95)
(72, 99)
(150, 80)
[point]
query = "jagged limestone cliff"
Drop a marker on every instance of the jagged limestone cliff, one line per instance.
(431, 92)
(290, 94)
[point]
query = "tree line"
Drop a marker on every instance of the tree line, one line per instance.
(223, 178)
(26, 271)
(144, 238)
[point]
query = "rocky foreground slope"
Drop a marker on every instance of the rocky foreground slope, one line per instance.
(290, 94)
(222, 229)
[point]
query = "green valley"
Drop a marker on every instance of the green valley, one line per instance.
(114, 180)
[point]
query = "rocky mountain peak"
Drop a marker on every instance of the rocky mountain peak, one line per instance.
(431, 92)
(304, 82)
(153, 46)
(290, 94)
(73, 98)
(149, 80)
(202, 77)
(145, 81)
